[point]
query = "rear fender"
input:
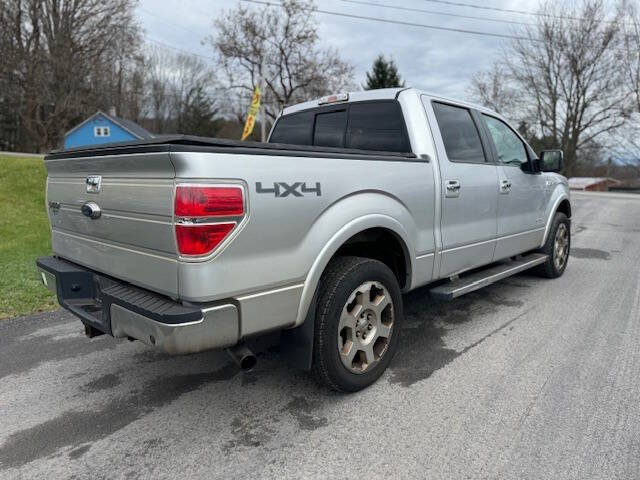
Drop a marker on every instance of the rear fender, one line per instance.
(297, 342)
(334, 243)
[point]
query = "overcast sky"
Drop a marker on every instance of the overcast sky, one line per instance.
(439, 61)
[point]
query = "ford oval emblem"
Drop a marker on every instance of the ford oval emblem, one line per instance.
(91, 210)
(93, 183)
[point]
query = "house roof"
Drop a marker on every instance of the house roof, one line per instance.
(131, 127)
(584, 182)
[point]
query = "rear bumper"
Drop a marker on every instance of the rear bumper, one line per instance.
(122, 310)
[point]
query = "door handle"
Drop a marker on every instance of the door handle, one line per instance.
(452, 188)
(452, 185)
(505, 186)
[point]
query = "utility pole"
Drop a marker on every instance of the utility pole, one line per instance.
(263, 115)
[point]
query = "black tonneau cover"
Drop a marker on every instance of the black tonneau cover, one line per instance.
(189, 143)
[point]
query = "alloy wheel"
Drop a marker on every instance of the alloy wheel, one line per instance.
(365, 327)
(561, 246)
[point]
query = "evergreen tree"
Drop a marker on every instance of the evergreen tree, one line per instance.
(198, 114)
(384, 74)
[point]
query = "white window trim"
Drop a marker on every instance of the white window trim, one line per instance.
(101, 131)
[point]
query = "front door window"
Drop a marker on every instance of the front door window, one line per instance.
(510, 148)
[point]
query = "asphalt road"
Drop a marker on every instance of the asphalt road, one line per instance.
(529, 378)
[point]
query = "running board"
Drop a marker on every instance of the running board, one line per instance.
(476, 281)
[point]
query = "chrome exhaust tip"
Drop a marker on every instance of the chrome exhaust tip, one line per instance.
(243, 357)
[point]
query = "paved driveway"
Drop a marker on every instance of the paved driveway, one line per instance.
(529, 378)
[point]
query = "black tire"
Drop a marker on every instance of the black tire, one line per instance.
(342, 277)
(550, 268)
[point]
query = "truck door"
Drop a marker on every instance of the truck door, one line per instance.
(522, 195)
(469, 188)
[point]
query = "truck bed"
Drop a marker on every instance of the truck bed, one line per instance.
(190, 143)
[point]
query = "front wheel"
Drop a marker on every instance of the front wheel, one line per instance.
(557, 247)
(357, 324)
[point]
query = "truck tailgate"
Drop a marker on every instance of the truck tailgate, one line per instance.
(133, 237)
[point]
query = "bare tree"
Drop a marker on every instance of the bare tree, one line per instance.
(158, 67)
(626, 142)
(55, 54)
(280, 44)
(568, 77)
(629, 12)
(494, 90)
(182, 93)
(133, 101)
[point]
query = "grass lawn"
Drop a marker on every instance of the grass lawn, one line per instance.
(24, 236)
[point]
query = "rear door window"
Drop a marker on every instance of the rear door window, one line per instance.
(330, 128)
(459, 133)
(377, 126)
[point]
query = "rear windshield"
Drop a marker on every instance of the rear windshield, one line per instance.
(375, 125)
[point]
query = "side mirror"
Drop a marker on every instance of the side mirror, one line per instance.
(551, 160)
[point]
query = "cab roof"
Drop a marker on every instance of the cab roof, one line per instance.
(382, 94)
(379, 94)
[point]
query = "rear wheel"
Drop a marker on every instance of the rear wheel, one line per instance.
(557, 247)
(357, 324)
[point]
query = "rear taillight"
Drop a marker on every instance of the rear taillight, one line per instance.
(201, 239)
(208, 201)
(205, 216)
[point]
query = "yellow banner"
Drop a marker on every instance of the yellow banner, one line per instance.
(253, 111)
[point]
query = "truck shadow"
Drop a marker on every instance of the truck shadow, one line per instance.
(247, 408)
(423, 350)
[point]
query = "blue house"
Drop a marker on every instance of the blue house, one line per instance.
(103, 128)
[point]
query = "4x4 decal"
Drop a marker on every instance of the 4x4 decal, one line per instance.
(282, 189)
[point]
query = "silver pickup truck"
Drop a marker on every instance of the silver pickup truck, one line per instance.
(189, 244)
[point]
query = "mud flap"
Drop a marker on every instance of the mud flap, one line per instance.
(296, 344)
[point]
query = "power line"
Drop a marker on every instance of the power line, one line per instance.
(166, 45)
(420, 10)
(398, 22)
(186, 52)
(494, 9)
(164, 20)
(508, 10)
